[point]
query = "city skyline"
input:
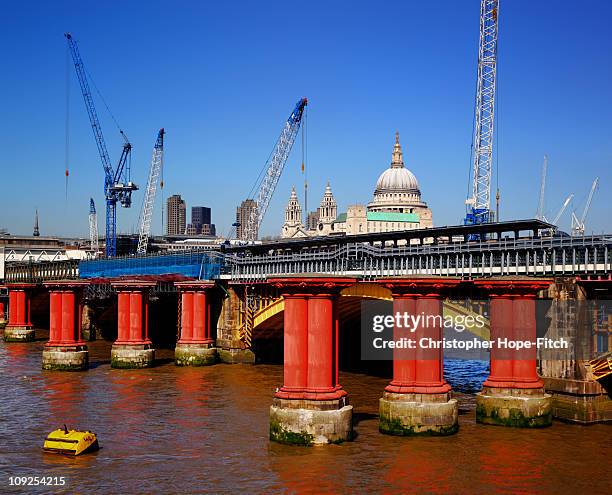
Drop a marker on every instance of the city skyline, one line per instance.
(359, 94)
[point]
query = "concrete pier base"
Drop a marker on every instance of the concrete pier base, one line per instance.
(65, 358)
(579, 401)
(418, 414)
(131, 356)
(18, 334)
(195, 354)
(230, 352)
(311, 422)
(523, 408)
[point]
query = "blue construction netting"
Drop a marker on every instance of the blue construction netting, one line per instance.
(194, 264)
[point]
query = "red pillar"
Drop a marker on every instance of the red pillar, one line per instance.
(322, 367)
(418, 399)
(19, 305)
(133, 348)
(513, 317)
(19, 327)
(311, 337)
(133, 312)
(295, 345)
(65, 350)
(65, 310)
(513, 394)
(404, 370)
(429, 363)
(2, 313)
(501, 325)
(524, 327)
(419, 370)
(195, 312)
(187, 322)
(310, 380)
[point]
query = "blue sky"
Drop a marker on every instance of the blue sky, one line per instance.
(222, 77)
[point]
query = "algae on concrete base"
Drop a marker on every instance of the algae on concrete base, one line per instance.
(189, 355)
(519, 411)
(283, 435)
(236, 356)
(18, 334)
(306, 427)
(417, 418)
(56, 360)
(127, 358)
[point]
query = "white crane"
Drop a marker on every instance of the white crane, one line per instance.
(478, 202)
(268, 178)
(93, 228)
(565, 203)
(540, 212)
(146, 214)
(578, 224)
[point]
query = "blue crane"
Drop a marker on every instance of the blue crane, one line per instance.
(117, 184)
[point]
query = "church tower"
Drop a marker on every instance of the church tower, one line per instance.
(328, 212)
(293, 217)
(36, 230)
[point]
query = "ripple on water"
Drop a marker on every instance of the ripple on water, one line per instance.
(205, 430)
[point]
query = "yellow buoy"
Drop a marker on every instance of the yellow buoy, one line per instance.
(65, 441)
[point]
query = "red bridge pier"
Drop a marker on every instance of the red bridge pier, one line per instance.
(195, 346)
(418, 400)
(311, 407)
(513, 394)
(132, 349)
(2, 311)
(19, 327)
(65, 350)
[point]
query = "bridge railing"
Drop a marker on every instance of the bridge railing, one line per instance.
(37, 272)
(527, 256)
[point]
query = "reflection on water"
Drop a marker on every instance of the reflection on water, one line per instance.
(198, 430)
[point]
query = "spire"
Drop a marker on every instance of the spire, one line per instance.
(36, 231)
(397, 159)
(293, 193)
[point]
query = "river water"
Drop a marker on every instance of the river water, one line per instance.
(205, 430)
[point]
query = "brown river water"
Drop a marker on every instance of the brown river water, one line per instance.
(205, 430)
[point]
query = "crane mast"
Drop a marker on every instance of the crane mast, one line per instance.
(578, 224)
(146, 214)
(478, 202)
(540, 212)
(117, 184)
(273, 170)
(93, 227)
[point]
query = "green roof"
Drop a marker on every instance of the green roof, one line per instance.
(385, 216)
(392, 216)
